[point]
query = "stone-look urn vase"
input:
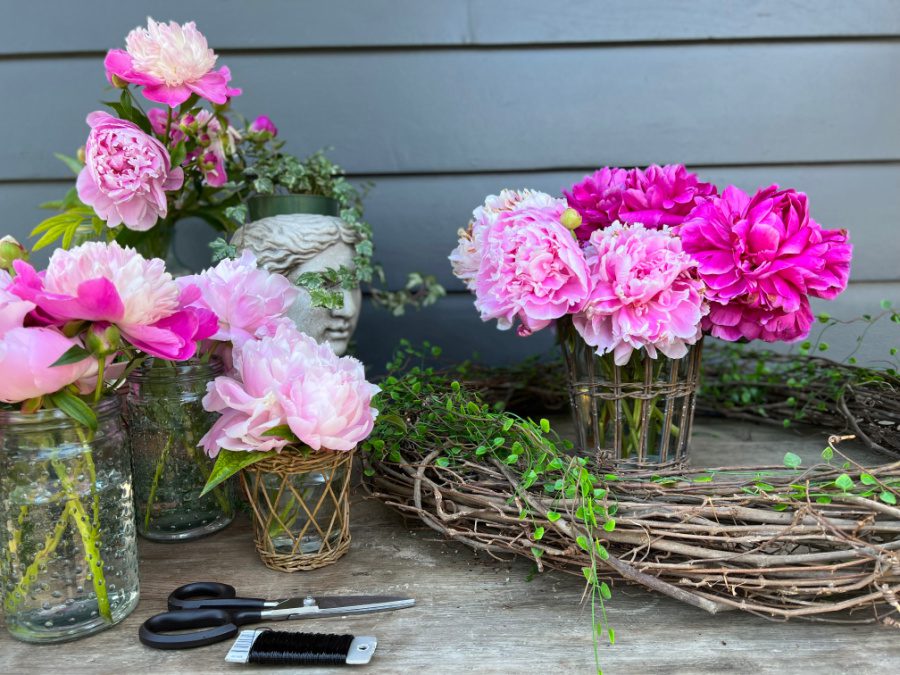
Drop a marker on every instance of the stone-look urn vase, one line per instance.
(295, 234)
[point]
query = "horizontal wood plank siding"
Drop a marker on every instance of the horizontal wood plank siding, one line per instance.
(440, 102)
(305, 24)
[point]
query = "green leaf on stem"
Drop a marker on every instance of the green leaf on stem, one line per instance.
(844, 482)
(538, 533)
(553, 516)
(283, 431)
(791, 460)
(229, 462)
(73, 354)
(888, 498)
(75, 408)
(867, 479)
(74, 165)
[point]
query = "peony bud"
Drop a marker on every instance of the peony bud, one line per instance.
(117, 81)
(262, 125)
(80, 154)
(570, 219)
(103, 339)
(10, 250)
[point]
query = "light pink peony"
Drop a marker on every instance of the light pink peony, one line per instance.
(249, 302)
(26, 358)
(465, 259)
(289, 379)
(761, 257)
(126, 173)
(170, 62)
(13, 309)
(205, 130)
(100, 282)
(532, 269)
(643, 294)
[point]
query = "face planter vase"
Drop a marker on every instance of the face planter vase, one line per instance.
(298, 243)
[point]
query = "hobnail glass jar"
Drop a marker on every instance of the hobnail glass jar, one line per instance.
(166, 420)
(637, 415)
(68, 555)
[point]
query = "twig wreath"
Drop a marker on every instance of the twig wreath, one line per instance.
(819, 542)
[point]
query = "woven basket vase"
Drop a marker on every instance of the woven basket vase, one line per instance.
(635, 416)
(301, 508)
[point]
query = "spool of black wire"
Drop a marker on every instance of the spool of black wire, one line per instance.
(282, 648)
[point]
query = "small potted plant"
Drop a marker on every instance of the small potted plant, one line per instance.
(292, 413)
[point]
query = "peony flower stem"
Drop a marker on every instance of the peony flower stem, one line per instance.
(15, 597)
(98, 390)
(160, 467)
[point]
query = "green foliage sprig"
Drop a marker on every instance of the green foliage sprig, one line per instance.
(422, 410)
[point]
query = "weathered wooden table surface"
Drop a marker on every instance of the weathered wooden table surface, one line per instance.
(477, 614)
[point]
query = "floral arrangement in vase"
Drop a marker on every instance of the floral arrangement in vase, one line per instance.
(68, 336)
(634, 267)
(291, 414)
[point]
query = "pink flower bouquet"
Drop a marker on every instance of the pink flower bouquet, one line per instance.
(642, 264)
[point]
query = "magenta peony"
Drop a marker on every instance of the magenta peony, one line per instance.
(249, 302)
(99, 282)
(598, 199)
(643, 294)
(170, 62)
(532, 269)
(761, 257)
(662, 195)
(126, 173)
(465, 259)
(289, 379)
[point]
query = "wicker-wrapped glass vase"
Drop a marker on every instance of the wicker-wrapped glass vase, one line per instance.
(638, 415)
(301, 507)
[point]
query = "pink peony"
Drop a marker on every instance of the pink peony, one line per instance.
(662, 195)
(13, 309)
(643, 294)
(465, 259)
(170, 62)
(100, 282)
(263, 124)
(532, 269)
(126, 173)
(597, 198)
(249, 302)
(761, 258)
(27, 356)
(289, 379)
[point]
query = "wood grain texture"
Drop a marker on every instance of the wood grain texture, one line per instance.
(451, 111)
(477, 614)
(280, 24)
(423, 213)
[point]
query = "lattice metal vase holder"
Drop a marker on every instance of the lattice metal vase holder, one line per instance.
(301, 508)
(638, 415)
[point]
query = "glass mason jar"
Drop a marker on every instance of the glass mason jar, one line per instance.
(166, 420)
(637, 415)
(68, 555)
(301, 508)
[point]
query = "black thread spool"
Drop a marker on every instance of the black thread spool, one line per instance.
(280, 648)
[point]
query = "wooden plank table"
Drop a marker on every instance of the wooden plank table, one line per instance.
(477, 614)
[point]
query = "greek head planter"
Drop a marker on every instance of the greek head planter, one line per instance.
(297, 243)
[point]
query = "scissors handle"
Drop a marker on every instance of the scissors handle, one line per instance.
(210, 595)
(200, 626)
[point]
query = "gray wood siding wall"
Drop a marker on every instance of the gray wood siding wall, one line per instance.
(442, 102)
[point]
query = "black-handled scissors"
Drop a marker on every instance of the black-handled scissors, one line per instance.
(206, 612)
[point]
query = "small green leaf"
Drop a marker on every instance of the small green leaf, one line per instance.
(74, 165)
(536, 552)
(823, 499)
(612, 635)
(553, 516)
(507, 424)
(538, 533)
(511, 459)
(828, 454)
(867, 479)
(602, 552)
(179, 152)
(283, 431)
(885, 304)
(609, 525)
(844, 482)
(589, 575)
(393, 420)
(582, 541)
(545, 425)
(73, 354)
(442, 461)
(481, 450)
(75, 408)
(229, 462)
(888, 498)
(605, 593)
(791, 460)
(703, 479)
(368, 471)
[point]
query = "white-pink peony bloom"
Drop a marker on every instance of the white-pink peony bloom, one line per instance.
(532, 269)
(644, 294)
(249, 301)
(465, 259)
(289, 379)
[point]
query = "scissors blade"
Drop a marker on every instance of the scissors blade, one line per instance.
(303, 607)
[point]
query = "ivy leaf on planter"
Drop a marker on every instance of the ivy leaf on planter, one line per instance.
(229, 462)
